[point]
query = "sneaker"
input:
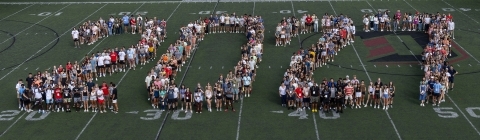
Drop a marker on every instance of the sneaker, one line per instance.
(366, 105)
(182, 109)
(101, 111)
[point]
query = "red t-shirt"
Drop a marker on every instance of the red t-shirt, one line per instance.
(59, 70)
(113, 56)
(343, 33)
(105, 89)
(168, 71)
(349, 90)
(449, 17)
(57, 93)
(69, 67)
(309, 19)
(299, 92)
(132, 21)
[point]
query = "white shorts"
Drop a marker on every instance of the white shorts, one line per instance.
(348, 97)
(358, 94)
(114, 101)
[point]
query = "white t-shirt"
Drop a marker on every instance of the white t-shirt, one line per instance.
(121, 55)
(75, 34)
(101, 60)
(175, 92)
(451, 25)
(246, 80)
(49, 94)
(148, 79)
(282, 90)
(100, 94)
(107, 59)
(18, 86)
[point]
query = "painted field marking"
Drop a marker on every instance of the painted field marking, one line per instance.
(210, 67)
(458, 65)
(32, 25)
(184, 74)
(16, 12)
(386, 66)
(118, 83)
(375, 66)
(241, 101)
(52, 40)
(456, 9)
(388, 114)
(470, 65)
(8, 128)
(26, 68)
(199, 67)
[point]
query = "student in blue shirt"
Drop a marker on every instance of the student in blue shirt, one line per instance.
(125, 20)
(436, 92)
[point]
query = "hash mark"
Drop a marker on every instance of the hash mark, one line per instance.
(386, 65)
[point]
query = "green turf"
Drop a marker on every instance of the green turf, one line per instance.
(222, 50)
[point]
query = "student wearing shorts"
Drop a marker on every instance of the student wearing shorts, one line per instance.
(85, 94)
(423, 94)
(436, 93)
(114, 97)
(198, 100)
(229, 97)
(188, 100)
(93, 98)
(58, 98)
(106, 95)
(171, 98)
(77, 97)
(299, 97)
(100, 100)
(75, 36)
(49, 98)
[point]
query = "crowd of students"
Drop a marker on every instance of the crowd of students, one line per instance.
(162, 91)
(53, 90)
(341, 26)
(439, 75)
(298, 88)
(89, 32)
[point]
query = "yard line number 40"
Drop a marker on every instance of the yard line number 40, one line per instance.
(448, 112)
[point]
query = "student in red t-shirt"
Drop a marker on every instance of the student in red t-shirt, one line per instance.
(349, 93)
(106, 95)
(299, 99)
(133, 23)
(57, 95)
(308, 23)
(113, 60)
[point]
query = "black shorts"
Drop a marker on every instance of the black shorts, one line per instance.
(114, 63)
(393, 95)
(377, 95)
(188, 100)
(332, 100)
(75, 39)
(122, 62)
(222, 24)
(246, 86)
(229, 99)
(430, 92)
(451, 79)
(436, 94)
(363, 93)
(232, 25)
(308, 24)
(291, 98)
(171, 101)
(102, 66)
(26, 101)
(307, 100)
(107, 65)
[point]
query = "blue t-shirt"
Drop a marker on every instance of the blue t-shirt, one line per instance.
(436, 88)
(170, 94)
(110, 24)
(21, 91)
(125, 19)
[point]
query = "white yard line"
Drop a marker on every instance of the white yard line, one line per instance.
(118, 83)
(16, 12)
(459, 109)
(241, 100)
(300, 43)
(33, 24)
(51, 41)
(123, 2)
(459, 11)
(369, 78)
(13, 124)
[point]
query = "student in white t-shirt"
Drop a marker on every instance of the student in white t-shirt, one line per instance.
(101, 65)
(121, 59)
(75, 36)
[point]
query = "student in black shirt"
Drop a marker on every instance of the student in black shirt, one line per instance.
(77, 97)
(29, 80)
(114, 98)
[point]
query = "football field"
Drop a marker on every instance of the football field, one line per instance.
(35, 36)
